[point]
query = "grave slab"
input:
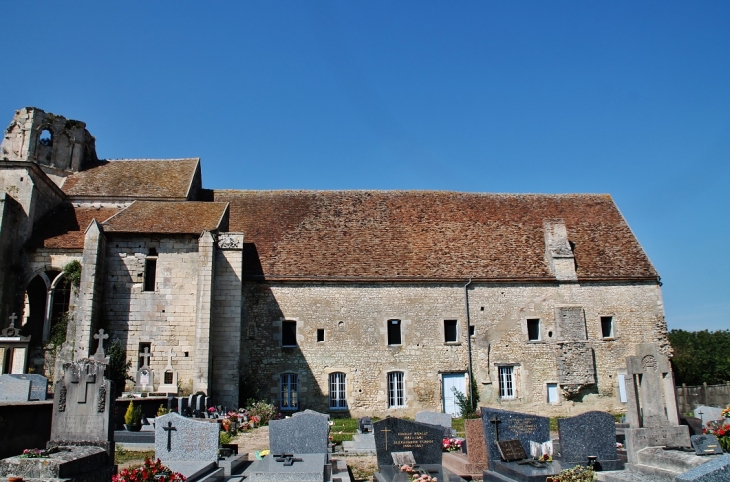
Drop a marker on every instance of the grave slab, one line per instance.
(589, 434)
(181, 439)
(706, 413)
(717, 470)
(13, 389)
(307, 433)
(38, 385)
(706, 444)
(311, 468)
(394, 474)
(397, 435)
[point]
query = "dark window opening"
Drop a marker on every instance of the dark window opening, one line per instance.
(607, 326)
(394, 337)
(471, 330)
(289, 333)
(533, 330)
(450, 331)
(150, 268)
(46, 138)
(320, 334)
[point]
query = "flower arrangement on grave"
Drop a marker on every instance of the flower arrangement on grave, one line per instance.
(722, 432)
(545, 458)
(149, 472)
(263, 410)
(726, 412)
(162, 411)
(34, 454)
(451, 444)
(576, 474)
(416, 477)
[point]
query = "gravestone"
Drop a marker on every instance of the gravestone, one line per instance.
(476, 450)
(38, 385)
(306, 433)
(506, 425)
(83, 407)
(437, 418)
(707, 414)
(706, 444)
(300, 468)
(589, 434)
(13, 389)
(365, 424)
(186, 445)
(398, 435)
(716, 470)
(652, 403)
(169, 377)
(145, 379)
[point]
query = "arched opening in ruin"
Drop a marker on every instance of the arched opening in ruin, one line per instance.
(36, 295)
(46, 137)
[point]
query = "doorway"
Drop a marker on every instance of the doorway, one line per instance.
(452, 382)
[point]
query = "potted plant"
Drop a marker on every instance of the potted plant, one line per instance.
(133, 418)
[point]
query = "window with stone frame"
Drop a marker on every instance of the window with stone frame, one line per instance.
(289, 333)
(533, 329)
(607, 326)
(288, 391)
(450, 331)
(394, 334)
(396, 390)
(338, 391)
(150, 270)
(506, 382)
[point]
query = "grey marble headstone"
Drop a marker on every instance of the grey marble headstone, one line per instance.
(437, 418)
(83, 406)
(38, 385)
(706, 444)
(13, 389)
(311, 468)
(708, 413)
(591, 433)
(398, 435)
(189, 440)
(306, 433)
(512, 426)
(716, 470)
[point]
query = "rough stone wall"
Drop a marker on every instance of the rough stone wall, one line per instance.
(35, 196)
(354, 319)
(10, 219)
(164, 317)
(225, 332)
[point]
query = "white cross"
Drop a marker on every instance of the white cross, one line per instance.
(101, 337)
(169, 357)
(13, 318)
(146, 356)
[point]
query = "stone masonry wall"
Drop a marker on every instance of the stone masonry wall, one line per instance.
(354, 318)
(164, 317)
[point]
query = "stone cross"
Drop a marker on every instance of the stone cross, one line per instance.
(169, 357)
(85, 380)
(146, 356)
(169, 430)
(288, 459)
(100, 349)
(496, 421)
(13, 318)
(11, 330)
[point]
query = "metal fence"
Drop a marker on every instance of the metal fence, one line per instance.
(689, 398)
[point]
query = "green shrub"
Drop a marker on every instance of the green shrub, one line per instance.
(118, 368)
(576, 474)
(264, 410)
(225, 438)
(133, 415)
(72, 273)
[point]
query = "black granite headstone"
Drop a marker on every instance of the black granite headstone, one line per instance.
(506, 425)
(588, 434)
(706, 444)
(38, 385)
(398, 435)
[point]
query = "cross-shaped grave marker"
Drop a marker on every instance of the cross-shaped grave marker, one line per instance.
(11, 331)
(385, 431)
(496, 421)
(169, 429)
(288, 459)
(146, 356)
(101, 336)
(86, 378)
(169, 357)
(13, 318)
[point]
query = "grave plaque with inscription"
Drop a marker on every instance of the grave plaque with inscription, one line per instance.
(398, 435)
(506, 425)
(511, 450)
(706, 444)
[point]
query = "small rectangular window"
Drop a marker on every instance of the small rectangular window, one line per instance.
(289, 393)
(472, 330)
(394, 337)
(533, 329)
(338, 396)
(289, 333)
(320, 334)
(607, 326)
(506, 382)
(150, 269)
(450, 331)
(396, 390)
(552, 393)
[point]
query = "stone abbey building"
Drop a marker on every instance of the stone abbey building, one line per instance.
(367, 302)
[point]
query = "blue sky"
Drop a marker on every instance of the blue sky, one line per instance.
(626, 98)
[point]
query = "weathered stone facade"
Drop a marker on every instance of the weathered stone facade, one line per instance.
(349, 301)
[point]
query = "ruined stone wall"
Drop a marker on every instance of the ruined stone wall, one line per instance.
(164, 317)
(354, 318)
(36, 196)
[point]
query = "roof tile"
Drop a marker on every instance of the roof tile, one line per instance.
(169, 218)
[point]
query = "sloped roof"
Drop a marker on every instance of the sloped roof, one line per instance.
(169, 218)
(431, 235)
(140, 179)
(64, 227)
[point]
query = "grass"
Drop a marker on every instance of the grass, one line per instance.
(122, 456)
(344, 428)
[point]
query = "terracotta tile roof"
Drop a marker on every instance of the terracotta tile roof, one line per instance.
(141, 179)
(169, 218)
(64, 227)
(443, 235)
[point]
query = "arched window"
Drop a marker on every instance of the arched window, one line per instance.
(46, 138)
(289, 391)
(338, 391)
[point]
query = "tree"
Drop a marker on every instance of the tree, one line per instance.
(118, 369)
(701, 356)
